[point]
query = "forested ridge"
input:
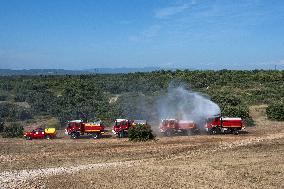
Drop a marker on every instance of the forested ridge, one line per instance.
(133, 95)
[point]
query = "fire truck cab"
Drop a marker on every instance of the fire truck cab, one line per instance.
(121, 127)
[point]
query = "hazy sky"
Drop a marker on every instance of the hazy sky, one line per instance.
(137, 33)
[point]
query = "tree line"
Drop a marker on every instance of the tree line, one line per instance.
(88, 96)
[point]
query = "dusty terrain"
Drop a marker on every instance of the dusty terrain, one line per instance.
(250, 160)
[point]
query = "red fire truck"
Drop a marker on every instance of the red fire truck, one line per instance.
(215, 125)
(76, 128)
(121, 126)
(170, 127)
(40, 133)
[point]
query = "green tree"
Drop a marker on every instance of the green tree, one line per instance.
(140, 133)
(275, 112)
(13, 130)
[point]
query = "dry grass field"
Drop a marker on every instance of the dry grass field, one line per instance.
(250, 160)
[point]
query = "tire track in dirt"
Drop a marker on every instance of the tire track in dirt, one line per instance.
(245, 142)
(10, 179)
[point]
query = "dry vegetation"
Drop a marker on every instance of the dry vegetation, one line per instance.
(251, 160)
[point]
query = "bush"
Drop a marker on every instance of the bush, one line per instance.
(235, 111)
(140, 133)
(24, 114)
(275, 112)
(13, 112)
(1, 126)
(226, 100)
(20, 98)
(249, 122)
(3, 97)
(13, 130)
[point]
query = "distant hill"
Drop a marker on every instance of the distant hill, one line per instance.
(123, 70)
(7, 72)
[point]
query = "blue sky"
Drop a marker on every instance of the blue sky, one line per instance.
(194, 34)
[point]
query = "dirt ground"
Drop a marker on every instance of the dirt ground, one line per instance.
(250, 160)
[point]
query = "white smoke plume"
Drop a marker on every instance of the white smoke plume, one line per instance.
(180, 103)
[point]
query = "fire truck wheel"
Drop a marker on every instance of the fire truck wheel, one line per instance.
(74, 136)
(188, 132)
(121, 134)
(235, 132)
(28, 138)
(168, 133)
(213, 131)
(48, 137)
(96, 135)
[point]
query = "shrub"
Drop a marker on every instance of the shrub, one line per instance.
(230, 100)
(249, 122)
(24, 114)
(140, 133)
(236, 111)
(20, 98)
(275, 112)
(3, 97)
(13, 130)
(1, 126)
(13, 112)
